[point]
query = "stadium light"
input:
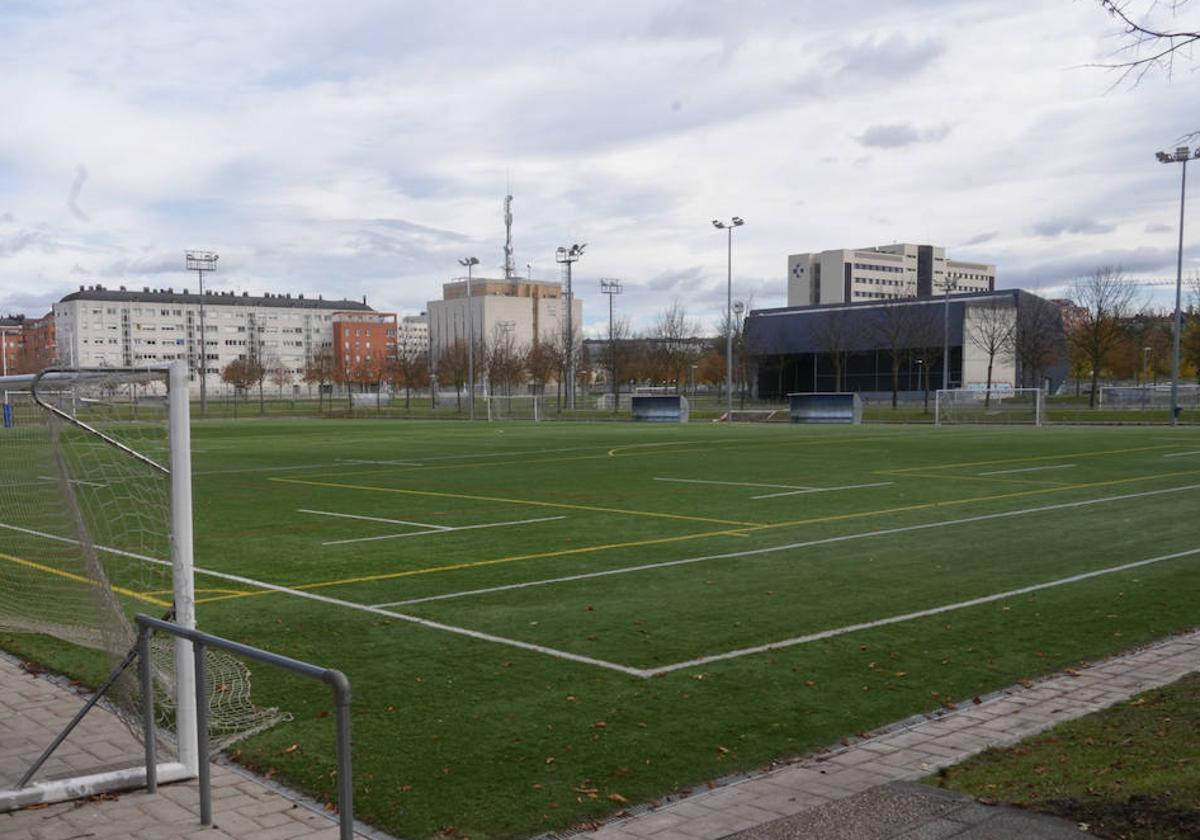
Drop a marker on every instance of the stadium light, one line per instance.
(200, 262)
(470, 263)
(736, 221)
(611, 288)
(948, 284)
(567, 257)
(1182, 155)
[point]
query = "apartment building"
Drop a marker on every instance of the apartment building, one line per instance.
(96, 326)
(363, 344)
(412, 340)
(884, 272)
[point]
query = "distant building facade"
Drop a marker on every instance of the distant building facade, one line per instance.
(27, 345)
(851, 347)
(99, 327)
(363, 345)
(412, 338)
(529, 311)
(884, 272)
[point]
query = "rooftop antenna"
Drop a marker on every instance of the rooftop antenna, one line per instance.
(510, 269)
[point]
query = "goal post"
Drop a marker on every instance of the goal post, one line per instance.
(513, 406)
(1010, 406)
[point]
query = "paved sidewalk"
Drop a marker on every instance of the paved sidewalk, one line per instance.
(908, 751)
(32, 711)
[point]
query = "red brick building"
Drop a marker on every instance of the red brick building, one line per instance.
(363, 344)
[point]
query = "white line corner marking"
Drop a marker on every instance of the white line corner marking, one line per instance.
(429, 528)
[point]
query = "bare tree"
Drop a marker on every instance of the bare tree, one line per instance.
(993, 326)
(319, 371)
(1105, 301)
(675, 332)
(279, 374)
(893, 330)
(1151, 41)
(1038, 342)
(452, 368)
(410, 369)
(837, 333)
(927, 333)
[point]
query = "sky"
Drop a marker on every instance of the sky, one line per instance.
(362, 148)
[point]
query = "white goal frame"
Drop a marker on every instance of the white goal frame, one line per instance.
(494, 414)
(977, 396)
(186, 765)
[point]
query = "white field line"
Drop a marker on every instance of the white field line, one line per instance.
(72, 481)
(377, 519)
(646, 673)
(444, 530)
(70, 541)
(1029, 469)
(665, 564)
(734, 483)
(338, 602)
(896, 619)
(823, 490)
(1181, 454)
(388, 463)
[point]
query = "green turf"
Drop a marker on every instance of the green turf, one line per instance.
(1127, 772)
(498, 740)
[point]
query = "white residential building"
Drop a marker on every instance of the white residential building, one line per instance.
(412, 337)
(884, 272)
(528, 310)
(99, 327)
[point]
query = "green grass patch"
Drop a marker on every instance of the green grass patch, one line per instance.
(523, 704)
(1131, 771)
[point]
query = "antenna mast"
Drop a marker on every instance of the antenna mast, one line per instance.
(510, 268)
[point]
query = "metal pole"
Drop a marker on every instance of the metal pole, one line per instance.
(570, 343)
(203, 353)
(946, 338)
(470, 351)
(180, 441)
(612, 353)
(341, 687)
(202, 733)
(729, 330)
(148, 734)
(1178, 306)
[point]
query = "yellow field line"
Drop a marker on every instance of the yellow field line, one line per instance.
(1059, 457)
(81, 579)
(502, 500)
(474, 564)
(738, 532)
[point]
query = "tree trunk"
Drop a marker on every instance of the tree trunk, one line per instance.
(1095, 387)
(987, 395)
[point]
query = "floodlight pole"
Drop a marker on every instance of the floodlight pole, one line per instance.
(470, 263)
(611, 288)
(200, 262)
(568, 256)
(736, 221)
(1181, 155)
(946, 335)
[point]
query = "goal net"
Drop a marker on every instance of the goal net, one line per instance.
(514, 406)
(998, 405)
(95, 526)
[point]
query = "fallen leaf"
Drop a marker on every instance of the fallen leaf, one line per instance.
(616, 797)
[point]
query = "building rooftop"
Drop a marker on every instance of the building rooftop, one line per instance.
(148, 295)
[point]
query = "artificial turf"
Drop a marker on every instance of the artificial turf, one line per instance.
(578, 699)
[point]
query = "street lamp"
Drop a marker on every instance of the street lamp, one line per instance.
(736, 221)
(1181, 155)
(470, 263)
(200, 262)
(611, 288)
(568, 257)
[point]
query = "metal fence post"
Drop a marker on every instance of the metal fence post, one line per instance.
(198, 649)
(145, 673)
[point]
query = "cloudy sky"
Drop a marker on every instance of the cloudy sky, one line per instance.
(360, 148)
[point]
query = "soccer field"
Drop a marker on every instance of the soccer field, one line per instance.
(545, 623)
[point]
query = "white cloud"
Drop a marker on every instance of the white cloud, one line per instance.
(349, 150)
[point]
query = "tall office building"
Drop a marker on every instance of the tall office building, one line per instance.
(885, 272)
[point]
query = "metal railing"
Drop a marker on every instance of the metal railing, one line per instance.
(336, 680)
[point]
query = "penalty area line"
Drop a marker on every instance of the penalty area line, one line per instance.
(1029, 469)
(897, 619)
(807, 490)
(443, 529)
(733, 483)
